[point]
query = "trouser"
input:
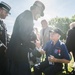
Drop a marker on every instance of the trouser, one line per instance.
(21, 68)
(3, 65)
(47, 69)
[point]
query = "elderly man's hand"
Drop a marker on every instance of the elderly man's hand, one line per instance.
(52, 58)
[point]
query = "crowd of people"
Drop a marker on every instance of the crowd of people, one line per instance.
(27, 44)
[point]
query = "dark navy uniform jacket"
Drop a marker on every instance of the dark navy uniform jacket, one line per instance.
(3, 33)
(3, 57)
(20, 44)
(59, 50)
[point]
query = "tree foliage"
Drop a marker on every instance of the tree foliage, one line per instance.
(62, 23)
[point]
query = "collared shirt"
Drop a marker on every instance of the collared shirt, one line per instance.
(59, 50)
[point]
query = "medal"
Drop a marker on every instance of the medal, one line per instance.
(59, 52)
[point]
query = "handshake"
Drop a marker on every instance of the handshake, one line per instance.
(50, 58)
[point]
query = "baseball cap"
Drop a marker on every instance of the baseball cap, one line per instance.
(57, 30)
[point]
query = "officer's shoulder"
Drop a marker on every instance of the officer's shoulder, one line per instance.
(26, 15)
(28, 12)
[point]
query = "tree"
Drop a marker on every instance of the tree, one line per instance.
(62, 23)
(73, 18)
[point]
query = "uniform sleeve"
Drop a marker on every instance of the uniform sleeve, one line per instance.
(45, 48)
(65, 54)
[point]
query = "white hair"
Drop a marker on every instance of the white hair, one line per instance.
(72, 25)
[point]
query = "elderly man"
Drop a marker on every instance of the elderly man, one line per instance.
(4, 11)
(23, 39)
(56, 54)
